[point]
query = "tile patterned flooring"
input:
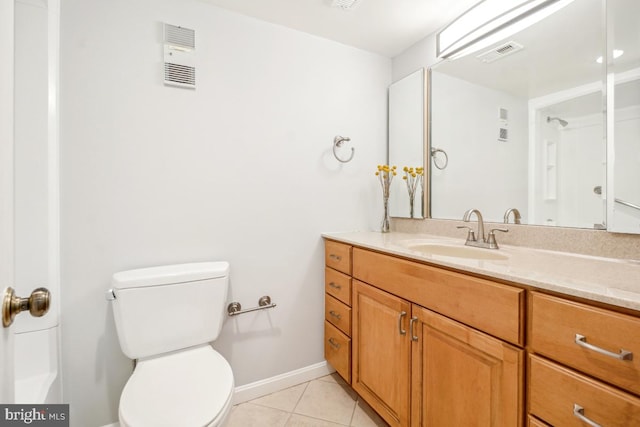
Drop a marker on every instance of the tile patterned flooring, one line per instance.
(324, 402)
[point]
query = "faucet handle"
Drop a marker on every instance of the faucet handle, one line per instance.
(471, 235)
(491, 238)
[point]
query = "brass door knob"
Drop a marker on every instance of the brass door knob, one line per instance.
(37, 304)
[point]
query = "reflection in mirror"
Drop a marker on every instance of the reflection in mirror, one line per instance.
(522, 122)
(407, 101)
(623, 131)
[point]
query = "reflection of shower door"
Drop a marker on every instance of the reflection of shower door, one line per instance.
(625, 191)
(581, 169)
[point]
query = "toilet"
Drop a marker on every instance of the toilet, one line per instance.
(166, 317)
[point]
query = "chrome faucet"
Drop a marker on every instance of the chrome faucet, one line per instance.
(480, 241)
(467, 218)
(516, 216)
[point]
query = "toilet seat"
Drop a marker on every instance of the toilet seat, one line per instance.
(190, 388)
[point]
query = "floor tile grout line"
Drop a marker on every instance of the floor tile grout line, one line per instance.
(293, 411)
(321, 419)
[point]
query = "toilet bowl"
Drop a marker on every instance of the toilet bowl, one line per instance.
(166, 317)
(193, 387)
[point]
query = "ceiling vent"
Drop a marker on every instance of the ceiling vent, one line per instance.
(499, 52)
(179, 56)
(344, 4)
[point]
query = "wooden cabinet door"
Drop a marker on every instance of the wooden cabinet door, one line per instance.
(381, 352)
(462, 377)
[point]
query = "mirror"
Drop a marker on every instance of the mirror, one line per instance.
(407, 139)
(623, 126)
(522, 123)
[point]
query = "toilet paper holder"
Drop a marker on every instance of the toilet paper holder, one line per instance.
(235, 308)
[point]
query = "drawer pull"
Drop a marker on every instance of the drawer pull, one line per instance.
(578, 411)
(336, 257)
(334, 286)
(334, 314)
(402, 331)
(581, 340)
(333, 343)
(413, 320)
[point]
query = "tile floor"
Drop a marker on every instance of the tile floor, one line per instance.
(324, 402)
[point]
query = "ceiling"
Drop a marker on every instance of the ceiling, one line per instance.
(386, 27)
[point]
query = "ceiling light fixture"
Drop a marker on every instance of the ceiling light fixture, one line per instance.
(344, 4)
(489, 22)
(617, 53)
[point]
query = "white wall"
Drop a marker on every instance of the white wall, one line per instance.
(468, 129)
(240, 169)
(421, 54)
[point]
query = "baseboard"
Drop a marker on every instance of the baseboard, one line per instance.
(261, 388)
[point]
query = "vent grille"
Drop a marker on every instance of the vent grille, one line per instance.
(503, 135)
(179, 56)
(499, 52)
(179, 36)
(180, 75)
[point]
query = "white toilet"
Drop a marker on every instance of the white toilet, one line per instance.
(166, 317)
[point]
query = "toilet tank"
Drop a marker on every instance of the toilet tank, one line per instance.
(162, 309)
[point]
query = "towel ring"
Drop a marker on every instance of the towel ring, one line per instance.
(338, 141)
(434, 152)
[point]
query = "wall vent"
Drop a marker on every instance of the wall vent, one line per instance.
(179, 56)
(179, 36)
(499, 52)
(503, 135)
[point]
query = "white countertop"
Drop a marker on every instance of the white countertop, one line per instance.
(607, 280)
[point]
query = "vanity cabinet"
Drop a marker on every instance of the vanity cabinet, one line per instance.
(585, 364)
(427, 346)
(418, 367)
(337, 324)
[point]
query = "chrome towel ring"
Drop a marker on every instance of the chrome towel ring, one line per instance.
(338, 141)
(434, 153)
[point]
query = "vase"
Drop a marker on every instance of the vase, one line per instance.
(411, 203)
(386, 221)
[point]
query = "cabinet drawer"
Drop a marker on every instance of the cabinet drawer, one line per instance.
(534, 422)
(338, 314)
(337, 285)
(488, 306)
(556, 323)
(554, 392)
(337, 350)
(338, 256)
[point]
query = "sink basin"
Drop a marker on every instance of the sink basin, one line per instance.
(458, 251)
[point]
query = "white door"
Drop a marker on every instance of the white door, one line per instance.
(6, 189)
(28, 171)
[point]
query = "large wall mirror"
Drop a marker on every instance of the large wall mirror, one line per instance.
(523, 123)
(407, 142)
(623, 126)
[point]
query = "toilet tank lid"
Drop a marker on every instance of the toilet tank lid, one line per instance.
(168, 274)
